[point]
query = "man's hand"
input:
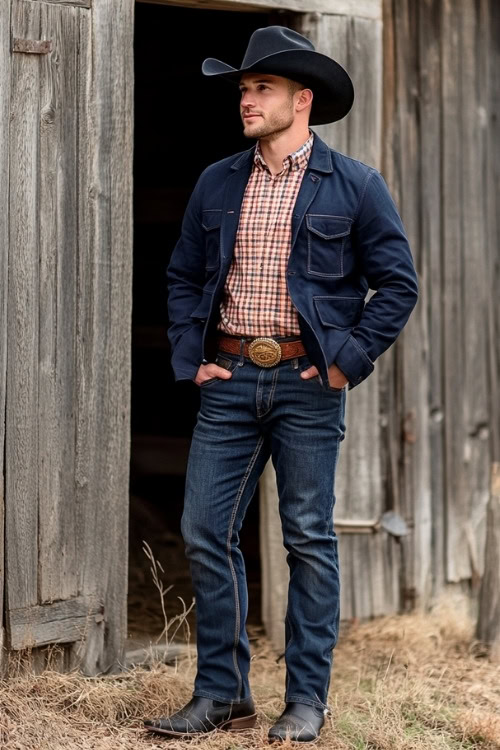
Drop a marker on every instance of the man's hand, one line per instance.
(207, 372)
(336, 377)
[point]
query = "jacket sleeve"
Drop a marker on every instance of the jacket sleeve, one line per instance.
(186, 275)
(386, 262)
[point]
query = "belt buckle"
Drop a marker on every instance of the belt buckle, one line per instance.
(264, 352)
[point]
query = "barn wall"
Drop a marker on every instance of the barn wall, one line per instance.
(441, 150)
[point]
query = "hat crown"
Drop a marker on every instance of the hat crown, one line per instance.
(273, 39)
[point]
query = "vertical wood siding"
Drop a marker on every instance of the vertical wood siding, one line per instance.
(4, 258)
(441, 158)
(68, 351)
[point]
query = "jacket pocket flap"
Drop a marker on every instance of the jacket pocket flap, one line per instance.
(211, 219)
(328, 227)
(339, 312)
(203, 308)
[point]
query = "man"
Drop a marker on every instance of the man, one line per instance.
(267, 284)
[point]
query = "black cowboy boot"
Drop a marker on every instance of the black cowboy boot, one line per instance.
(299, 723)
(202, 715)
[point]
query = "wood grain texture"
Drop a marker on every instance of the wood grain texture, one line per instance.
(69, 327)
(104, 323)
(488, 624)
(21, 455)
(439, 129)
(75, 3)
(371, 9)
(57, 376)
(60, 622)
(4, 260)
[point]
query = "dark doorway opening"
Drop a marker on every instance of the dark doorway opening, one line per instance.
(183, 122)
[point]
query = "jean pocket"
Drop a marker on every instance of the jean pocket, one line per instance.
(227, 364)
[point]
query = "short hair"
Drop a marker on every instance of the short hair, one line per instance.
(294, 86)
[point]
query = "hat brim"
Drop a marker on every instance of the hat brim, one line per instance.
(330, 83)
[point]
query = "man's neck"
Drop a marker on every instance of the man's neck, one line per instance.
(275, 149)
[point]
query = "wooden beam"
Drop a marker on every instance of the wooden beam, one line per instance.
(59, 622)
(371, 9)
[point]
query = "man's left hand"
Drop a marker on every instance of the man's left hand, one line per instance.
(336, 377)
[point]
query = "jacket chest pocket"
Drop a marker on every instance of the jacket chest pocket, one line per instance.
(211, 220)
(327, 237)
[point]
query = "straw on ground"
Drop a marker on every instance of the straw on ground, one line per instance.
(412, 682)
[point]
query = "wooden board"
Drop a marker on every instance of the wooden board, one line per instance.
(21, 455)
(104, 324)
(371, 9)
(4, 259)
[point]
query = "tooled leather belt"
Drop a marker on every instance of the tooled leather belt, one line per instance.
(263, 351)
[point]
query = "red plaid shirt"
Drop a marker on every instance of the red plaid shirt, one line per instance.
(256, 300)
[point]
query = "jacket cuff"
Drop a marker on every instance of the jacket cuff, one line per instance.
(354, 362)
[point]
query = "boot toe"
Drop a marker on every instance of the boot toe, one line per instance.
(298, 723)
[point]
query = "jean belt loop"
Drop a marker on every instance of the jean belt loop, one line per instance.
(242, 349)
(295, 363)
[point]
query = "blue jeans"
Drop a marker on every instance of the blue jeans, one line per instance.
(258, 413)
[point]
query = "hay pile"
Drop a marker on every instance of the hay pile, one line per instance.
(399, 683)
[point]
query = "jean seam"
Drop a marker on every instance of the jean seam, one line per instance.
(243, 484)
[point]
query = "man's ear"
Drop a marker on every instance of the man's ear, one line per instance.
(305, 99)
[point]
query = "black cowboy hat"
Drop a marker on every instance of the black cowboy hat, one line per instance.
(279, 51)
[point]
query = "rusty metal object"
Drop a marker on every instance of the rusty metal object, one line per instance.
(32, 46)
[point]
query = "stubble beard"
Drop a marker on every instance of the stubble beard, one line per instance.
(275, 124)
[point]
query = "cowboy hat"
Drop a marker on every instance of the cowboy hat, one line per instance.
(277, 50)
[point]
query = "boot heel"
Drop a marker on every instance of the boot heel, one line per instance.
(244, 722)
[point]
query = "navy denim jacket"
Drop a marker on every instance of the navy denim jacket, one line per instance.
(347, 238)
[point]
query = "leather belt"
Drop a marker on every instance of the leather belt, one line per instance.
(263, 351)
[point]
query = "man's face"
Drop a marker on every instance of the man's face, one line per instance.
(266, 105)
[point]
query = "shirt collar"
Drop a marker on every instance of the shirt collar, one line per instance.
(298, 160)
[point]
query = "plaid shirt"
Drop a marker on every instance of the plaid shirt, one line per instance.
(256, 300)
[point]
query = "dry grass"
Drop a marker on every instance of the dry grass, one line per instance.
(400, 683)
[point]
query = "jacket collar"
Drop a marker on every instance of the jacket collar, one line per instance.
(320, 159)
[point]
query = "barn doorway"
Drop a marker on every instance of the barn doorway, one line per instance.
(182, 123)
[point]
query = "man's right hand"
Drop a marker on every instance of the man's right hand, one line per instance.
(207, 372)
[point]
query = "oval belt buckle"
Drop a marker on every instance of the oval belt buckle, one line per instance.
(264, 352)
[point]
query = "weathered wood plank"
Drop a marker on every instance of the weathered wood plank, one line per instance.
(412, 392)
(429, 110)
(457, 566)
(371, 9)
(60, 622)
(58, 197)
(75, 3)
(488, 623)
(476, 408)
(491, 195)
(275, 573)
(21, 453)
(4, 260)
(103, 323)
